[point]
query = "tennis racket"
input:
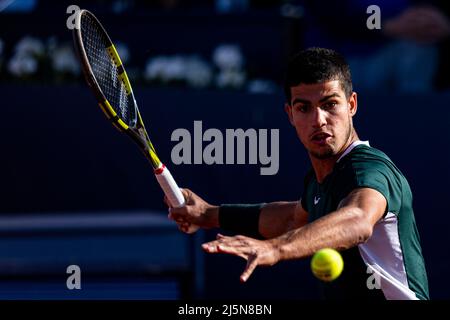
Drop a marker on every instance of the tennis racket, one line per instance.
(106, 76)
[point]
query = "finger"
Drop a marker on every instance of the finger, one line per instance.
(213, 247)
(210, 248)
(170, 215)
(178, 213)
(184, 227)
(176, 218)
(187, 194)
(237, 251)
(232, 245)
(222, 249)
(235, 241)
(251, 266)
(166, 201)
(222, 237)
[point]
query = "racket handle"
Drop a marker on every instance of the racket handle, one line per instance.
(172, 192)
(169, 186)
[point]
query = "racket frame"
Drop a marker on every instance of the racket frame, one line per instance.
(136, 130)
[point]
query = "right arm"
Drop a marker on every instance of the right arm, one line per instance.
(275, 218)
(280, 217)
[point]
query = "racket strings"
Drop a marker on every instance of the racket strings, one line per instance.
(105, 71)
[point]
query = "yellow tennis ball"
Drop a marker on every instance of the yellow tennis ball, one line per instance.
(327, 264)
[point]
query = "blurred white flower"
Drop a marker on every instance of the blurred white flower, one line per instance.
(124, 52)
(64, 60)
(191, 70)
(228, 56)
(30, 46)
(262, 86)
(165, 69)
(199, 73)
(22, 65)
(230, 79)
(175, 69)
(155, 68)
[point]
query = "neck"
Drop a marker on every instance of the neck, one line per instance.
(323, 167)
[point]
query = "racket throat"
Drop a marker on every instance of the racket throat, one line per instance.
(153, 158)
(160, 169)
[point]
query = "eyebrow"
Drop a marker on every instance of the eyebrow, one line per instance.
(334, 95)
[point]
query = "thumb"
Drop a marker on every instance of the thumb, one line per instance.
(187, 194)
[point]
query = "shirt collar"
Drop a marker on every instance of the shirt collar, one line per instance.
(352, 146)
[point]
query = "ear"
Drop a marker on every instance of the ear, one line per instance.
(353, 104)
(288, 110)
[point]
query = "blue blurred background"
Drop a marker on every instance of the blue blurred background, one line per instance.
(76, 192)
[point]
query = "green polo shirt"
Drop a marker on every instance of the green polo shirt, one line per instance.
(390, 264)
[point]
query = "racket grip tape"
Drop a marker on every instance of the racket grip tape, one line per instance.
(169, 186)
(172, 191)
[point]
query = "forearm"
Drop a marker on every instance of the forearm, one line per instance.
(340, 230)
(277, 218)
(261, 221)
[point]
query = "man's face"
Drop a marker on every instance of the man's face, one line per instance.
(322, 117)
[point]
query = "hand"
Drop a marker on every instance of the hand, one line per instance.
(196, 212)
(256, 252)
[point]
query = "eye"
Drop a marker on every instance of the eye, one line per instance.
(329, 105)
(302, 108)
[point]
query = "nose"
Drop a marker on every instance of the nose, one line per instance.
(319, 118)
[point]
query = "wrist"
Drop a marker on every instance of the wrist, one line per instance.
(212, 216)
(273, 250)
(278, 249)
(241, 219)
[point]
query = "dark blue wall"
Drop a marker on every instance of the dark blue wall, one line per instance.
(60, 155)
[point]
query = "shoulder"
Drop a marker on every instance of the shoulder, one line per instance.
(366, 153)
(364, 160)
(371, 168)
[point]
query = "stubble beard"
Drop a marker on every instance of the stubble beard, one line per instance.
(329, 152)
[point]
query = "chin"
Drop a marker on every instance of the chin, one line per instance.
(326, 153)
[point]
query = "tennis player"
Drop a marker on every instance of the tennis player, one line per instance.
(354, 199)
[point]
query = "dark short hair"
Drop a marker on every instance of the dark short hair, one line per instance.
(316, 65)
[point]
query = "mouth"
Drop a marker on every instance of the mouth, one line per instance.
(321, 138)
